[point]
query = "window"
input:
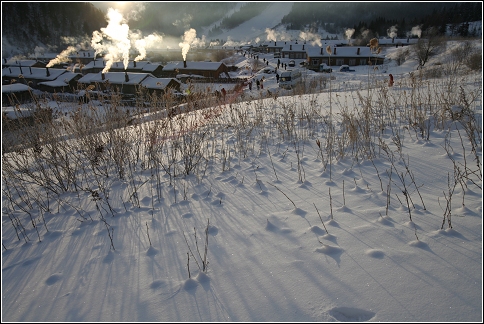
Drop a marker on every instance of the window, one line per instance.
(362, 61)
(352, 62)
(340, 62)
(315, 62)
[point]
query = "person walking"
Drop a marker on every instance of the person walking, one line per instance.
(223, 93)
(262, 83)
(277, 78)
(258, 84)
(250, 85)
(390, 82)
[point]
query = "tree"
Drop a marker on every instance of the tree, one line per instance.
(428, 46)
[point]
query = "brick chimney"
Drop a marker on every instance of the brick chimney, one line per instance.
(358, 51)
(103, 76)
(334, 51)
(126, 77)
(290, 47)
(47, 73)
(274, 45)
(185, 64)
(321, 51)
(303, 48)
(134, 62)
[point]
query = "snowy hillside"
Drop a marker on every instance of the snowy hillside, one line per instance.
(255, 28)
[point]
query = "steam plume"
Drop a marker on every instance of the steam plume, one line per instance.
(188, 39)
(416, 31)
(349, 32)
(117, 43)
(62, 57)
(147, 42)
(271, 35)
(392, 31)
(313, 38)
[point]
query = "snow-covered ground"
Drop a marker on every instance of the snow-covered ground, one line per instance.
(289, 236)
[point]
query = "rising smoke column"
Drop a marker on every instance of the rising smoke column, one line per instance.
(349, 33)
(315, 39)
(392, 31)
(416, 31)
(271, 35)
(112, 39)
(63, 56)
(142, 44)
(188, 39)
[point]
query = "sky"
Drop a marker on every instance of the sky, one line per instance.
(290, 236)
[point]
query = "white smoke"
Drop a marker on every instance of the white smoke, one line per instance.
(349, 33)
(188, 38)
(315, 39)
(392, 31)
(39, 51)
(271, 35)
(63, 56)
(113, 39)
(142, 44)
(416, 31)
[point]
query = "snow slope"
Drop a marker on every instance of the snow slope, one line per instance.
(255, 28)
(290, 238)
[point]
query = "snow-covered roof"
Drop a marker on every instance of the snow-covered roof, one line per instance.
(54, 83)
(100, 62)
(25, 63)
(296, 47)
(32, 73)
(157, 83)
(16, 87)
(116, 77)
(151, 67)
(82, 54)
(390, 41)
(207, 66)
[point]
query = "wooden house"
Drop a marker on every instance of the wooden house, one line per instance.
(67, 82)
(213, 70)
(30, 76)
(16, 94)
(160, 86)
(123, 82)
(347, 55)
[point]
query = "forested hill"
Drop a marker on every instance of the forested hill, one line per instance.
(26, 25)
(377, 15)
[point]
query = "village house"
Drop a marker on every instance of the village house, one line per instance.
(397, 42)
(67, 82)
(123, 82)
(213, 70)
(138, 67)
(23, 63)
(295, 51)
(93, 66)
(161, 86)
(346, 55)
(30, 75)
(16, 94)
